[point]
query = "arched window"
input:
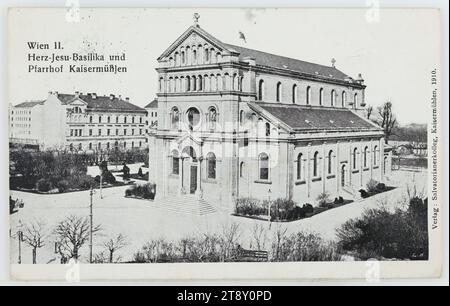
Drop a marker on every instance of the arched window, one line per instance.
(241, 169)
(188, 83)
(261, 90)
(200, 83)
(194, 56)
(175, 162)
(278, 91)
(333, 97)
(194, 83)
(188, 54)
(263, 160)
(211, 165)
(183, 58)
(241, 117)
(321, 96)
(316, 164)
(344, 98)
(299, 166)
(90, 146)
(355, 159)
(308, 95)
(212, 117)
(330, 162)
(193, 116)
(294, 93)
(366, 149)
(206, 55)
(99, 146)
(267, 129)
(175, 118)
(375, 156)
(355, 100)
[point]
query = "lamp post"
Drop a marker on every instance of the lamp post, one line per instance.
(268, 206)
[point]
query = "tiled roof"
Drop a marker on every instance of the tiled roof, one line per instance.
(29, 104)
(282, 62)
(102, 103)
(302, 117)
(153, 104)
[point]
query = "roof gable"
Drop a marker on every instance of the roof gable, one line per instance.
(194, 35)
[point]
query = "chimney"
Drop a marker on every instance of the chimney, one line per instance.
(127, 99)
(120, 97)
(77, 93)
(111, 97)
(94, 95)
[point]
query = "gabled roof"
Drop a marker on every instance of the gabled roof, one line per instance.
(282, 62)
(153, 104)
(102, 103)
(304, 118)
(30, 104)
(263, 59)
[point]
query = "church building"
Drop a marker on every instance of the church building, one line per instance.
(236, 122)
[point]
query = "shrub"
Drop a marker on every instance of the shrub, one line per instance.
(81, 181)
(323, 199)
(380, 233)
(381, 187)
(308, 208)
(364, 194)
(140, 172)
(62, 185)
(146, 191)
(305, 247)
(281, 209)
(43, 185)
(371, 186)
(250, 207)
(341, 200)
(108, 177)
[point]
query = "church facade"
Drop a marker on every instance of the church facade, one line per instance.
(235, 122)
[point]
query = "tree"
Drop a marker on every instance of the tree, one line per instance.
(34, 235)
(369, 111)
(386, 120)
(72, 234)
(114, 244)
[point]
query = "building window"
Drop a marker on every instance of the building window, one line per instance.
(175, 114)
(278, 91)
(294, 93)
(333, 97)
(124, 132)
(267, 129)
(355, 154)
(99, 146)
(299, 166)
(316, 164)
(355, 100)
(188, 83)
(90, 119)
(321, 96)
(263, 160)
(99, 119)
(366, 149)
(261, 90)
(344, 98)
(212, 117)
(108, 119)
(132, 119)
(241, 169)
(124, 144)
(375, 155)
(193, 116)
(125, 119)
(107, 145)
(99, 132)
(117, 119)
(117, 132)
(330, 162)
(108, 132)
(132, 131)
(175, 162)
(308, 95)
(80, 146)
(211, 165)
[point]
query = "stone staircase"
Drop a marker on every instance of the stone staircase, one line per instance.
(186, 204)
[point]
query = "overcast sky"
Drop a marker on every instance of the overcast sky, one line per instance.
(395, 55)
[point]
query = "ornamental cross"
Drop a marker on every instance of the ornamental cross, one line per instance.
(196, 17)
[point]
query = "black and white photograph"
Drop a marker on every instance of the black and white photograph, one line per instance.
(224, 143)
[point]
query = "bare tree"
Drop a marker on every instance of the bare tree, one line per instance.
(34, 235)
(259, 234)
(279, 238)
(72, 233)
(386, 119)
(112, 245)
(369, 111)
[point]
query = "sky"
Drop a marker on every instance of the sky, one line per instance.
(395, 53)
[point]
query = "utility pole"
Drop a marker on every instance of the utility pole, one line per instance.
(91, 217)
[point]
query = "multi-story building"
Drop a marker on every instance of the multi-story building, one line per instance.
(85, 122)
(152, 114)
(236, 122)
